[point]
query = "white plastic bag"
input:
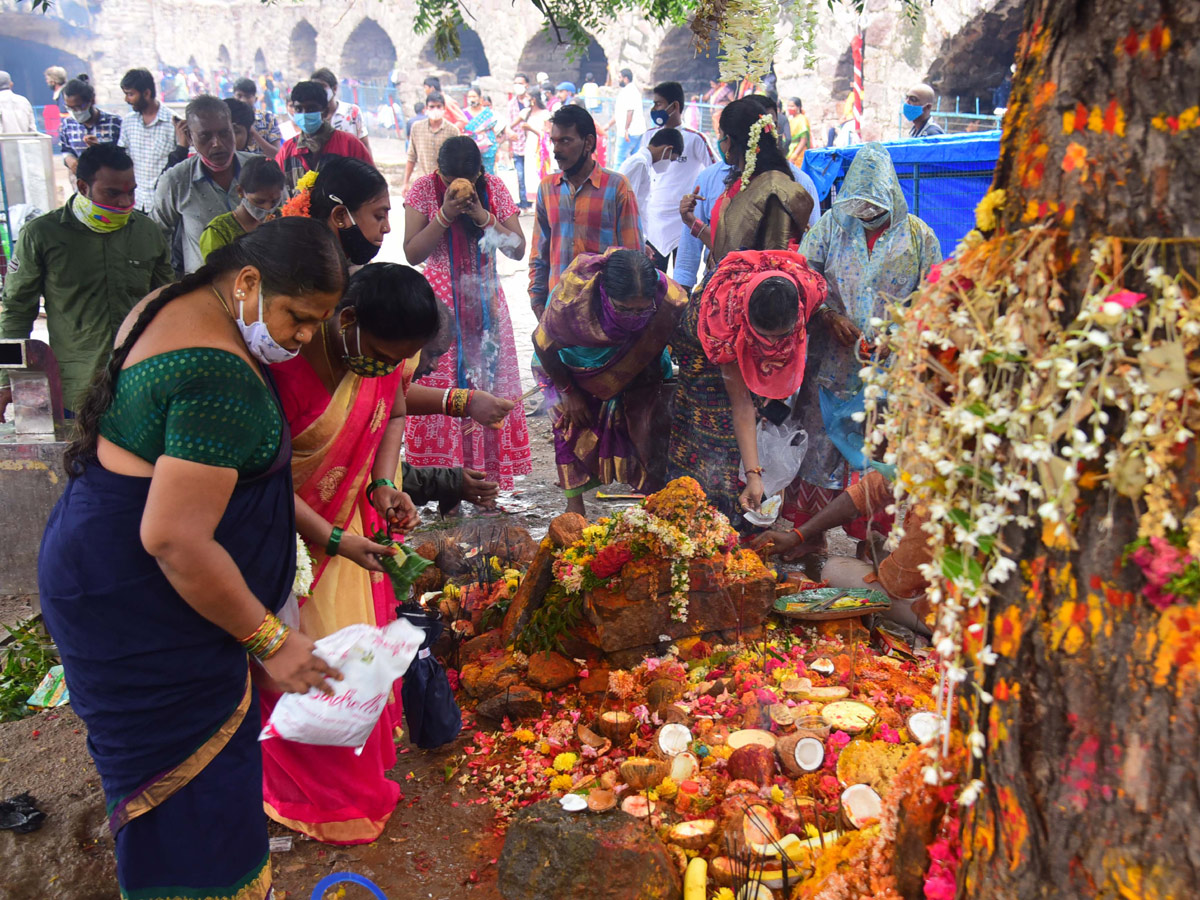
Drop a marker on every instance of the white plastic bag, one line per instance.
(781, 449)
(370, 659)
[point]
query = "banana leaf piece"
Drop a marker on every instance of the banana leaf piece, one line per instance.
(404, 568)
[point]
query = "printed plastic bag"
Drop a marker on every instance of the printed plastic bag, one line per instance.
(430, 709)
(370, 659)
(781, 450)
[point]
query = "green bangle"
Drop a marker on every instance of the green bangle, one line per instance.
(335, 539)
(378, 483)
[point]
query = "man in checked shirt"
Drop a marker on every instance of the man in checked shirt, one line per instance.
(583, 208)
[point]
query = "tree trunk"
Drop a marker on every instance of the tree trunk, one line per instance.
(1090, 770)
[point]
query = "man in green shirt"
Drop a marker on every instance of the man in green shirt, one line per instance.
(92, 261)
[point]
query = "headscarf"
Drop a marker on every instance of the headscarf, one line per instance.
(775, 369)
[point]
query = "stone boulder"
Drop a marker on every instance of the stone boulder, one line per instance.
(517, 702)
(567, 529)
(548, 671)
(490, 675)
(483, 645)
(549, 852)
(530, 592)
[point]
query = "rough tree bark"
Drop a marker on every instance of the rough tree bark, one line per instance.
(1090, 769)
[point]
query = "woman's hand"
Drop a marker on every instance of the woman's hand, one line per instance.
(488, 409)
(475, 210)
(575, 410)
(363, 551)
(452, 209)
(478, 490)
(845, 331)
(295, 668)
(395, 507)
(752, 494)
(687, 207)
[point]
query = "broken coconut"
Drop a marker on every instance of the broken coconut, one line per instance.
(822, 665)
(672, 739)
(694, 835)
(637, 806)
(759, 826)
(800, 753)
(643, 773)
(601, 800)
(830, 694)
(925, 726)
(753, 762)
(684, 766)
(616, 725)
(861, 805)
(597, 742)
(782, 715)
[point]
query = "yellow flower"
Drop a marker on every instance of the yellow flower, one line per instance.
(668, 788)
(723, 894)
(776, 794)
(451, 591)
(525, 736)
(544, 748)
(561, 783)
(565, 762)
(307, 181)
(721, 751)
(985, 212)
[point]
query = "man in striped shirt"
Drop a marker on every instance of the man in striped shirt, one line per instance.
(582, 208)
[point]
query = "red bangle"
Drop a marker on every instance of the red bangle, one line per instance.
(796, 531)
(757, 470)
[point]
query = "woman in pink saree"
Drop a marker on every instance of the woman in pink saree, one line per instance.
(344, 399)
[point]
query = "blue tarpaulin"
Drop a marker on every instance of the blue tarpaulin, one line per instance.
(943, 177)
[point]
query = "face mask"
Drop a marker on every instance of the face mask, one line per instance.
(82, 115)
(872, 224)
(258, 338)
(355, 245)
(328, 95)
(519, 90)
(308, 122)
(365, 366)
(101, 219)
(662, 165)
(911, 111)
(257, 212)
(863, 210)
(659, 117)
(434, 115)
(213, 167)
(721, 152)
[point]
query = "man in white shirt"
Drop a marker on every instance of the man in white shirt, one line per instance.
(16, 112)
(628, 116)
(660, 216)
(659, 154)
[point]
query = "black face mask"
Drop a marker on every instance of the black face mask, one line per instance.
(572, 171)
(355, 245)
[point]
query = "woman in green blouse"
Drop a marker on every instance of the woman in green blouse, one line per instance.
(171, 550)
(260, 185)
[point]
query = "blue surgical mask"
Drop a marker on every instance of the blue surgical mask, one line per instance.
(308, 122)
(721, 153)
(911, 111)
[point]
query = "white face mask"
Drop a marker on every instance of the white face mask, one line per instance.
(328, 95)
(434, 115)
(256, 212)
(662, 165)
(258, 338)
(519, 90)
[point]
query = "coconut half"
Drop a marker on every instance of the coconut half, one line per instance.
(925, 726)
(601, 800)
(694, 835)
(642, 772)
(782, 714)
(809, 754)
(572, 803)
(616, 725)
(824, 665)
(673, 739)
(637, 806)
(861, 805)
(849, 716)
(684, 766)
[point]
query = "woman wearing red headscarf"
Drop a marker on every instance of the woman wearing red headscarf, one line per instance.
(753, 324)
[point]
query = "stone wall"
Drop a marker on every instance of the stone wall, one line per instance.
(955, 39)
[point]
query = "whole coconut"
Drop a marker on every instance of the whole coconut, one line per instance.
(753, 762)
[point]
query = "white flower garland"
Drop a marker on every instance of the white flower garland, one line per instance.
(303, 582)
(764, 125)
(748, 38)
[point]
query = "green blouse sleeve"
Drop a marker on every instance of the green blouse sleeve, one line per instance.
(221, 415)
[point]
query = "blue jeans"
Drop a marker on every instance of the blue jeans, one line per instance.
(625, 147)
(522, 197)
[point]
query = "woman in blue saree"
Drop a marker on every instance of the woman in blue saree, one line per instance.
(482, 126)
(171, 550)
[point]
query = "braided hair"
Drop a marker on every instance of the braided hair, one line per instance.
(294, 256)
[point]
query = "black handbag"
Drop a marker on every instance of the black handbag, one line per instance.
(430, 710)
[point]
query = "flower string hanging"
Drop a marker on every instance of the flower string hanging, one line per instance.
(763, 125)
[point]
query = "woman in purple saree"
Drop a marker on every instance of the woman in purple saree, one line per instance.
(602, 342)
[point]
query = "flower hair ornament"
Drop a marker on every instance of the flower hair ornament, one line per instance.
(764, 125)
(301, 200)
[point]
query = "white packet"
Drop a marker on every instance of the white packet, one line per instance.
(370, 659)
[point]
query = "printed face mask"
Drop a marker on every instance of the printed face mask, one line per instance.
(364, 366)
(101, 219)
(258, 338)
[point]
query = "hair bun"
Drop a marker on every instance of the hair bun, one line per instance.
(83, 76)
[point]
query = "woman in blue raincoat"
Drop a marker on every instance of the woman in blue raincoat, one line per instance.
(873, 253)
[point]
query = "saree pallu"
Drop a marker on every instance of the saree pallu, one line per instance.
(172, 718)
(329, 793)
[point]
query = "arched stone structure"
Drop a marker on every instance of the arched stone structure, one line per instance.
(302, 50)
(676, 59)
(543, 54)
(975, 61)
(27, 60)
(223, 58)
(471, 62)
(260, 63)
(368, 54)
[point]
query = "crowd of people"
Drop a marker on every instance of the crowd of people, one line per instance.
(229, 347)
